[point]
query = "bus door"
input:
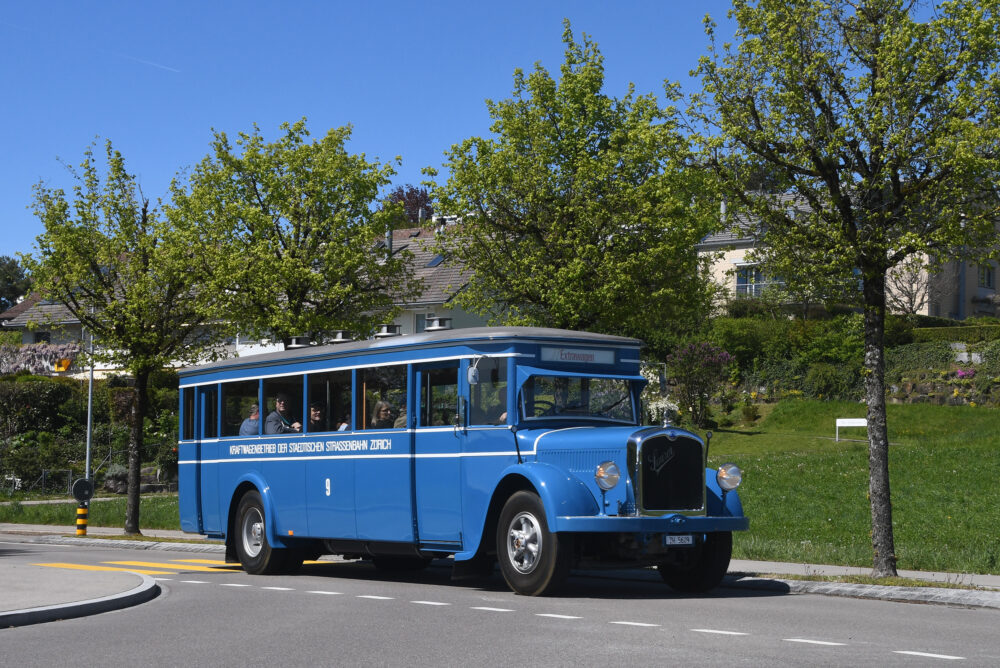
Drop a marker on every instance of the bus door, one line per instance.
(383, 493)
(438, 438)
(207, 432)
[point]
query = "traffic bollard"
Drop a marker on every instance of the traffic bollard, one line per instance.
(81, 519)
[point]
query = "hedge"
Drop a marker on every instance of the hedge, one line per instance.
(973, 334)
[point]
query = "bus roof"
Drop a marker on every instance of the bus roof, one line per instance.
(423, 339)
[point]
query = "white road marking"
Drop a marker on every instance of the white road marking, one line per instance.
(376, 598)
(547, 614)
(814, 642)
(721, 632)
(279, 588)
(163, 579)
(234, 584)
(493, 609)
(633, 624)
(931, 656)
(328, 593)
(194, 582)
(429, 603)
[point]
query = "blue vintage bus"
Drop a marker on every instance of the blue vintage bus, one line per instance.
(520, 445)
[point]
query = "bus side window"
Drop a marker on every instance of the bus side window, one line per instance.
(329, 401)
(210, 411)
(439, 396)
(239, 401)
(187, 428)
(290, 389)
(381, 400)
(489, 395)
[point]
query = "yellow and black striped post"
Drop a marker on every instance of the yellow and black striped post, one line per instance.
(81, 519)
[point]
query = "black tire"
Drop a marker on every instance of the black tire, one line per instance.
(534, 561)
(400, 563)
(254, 551)
(706, 571)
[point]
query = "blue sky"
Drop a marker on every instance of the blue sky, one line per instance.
(411, 77)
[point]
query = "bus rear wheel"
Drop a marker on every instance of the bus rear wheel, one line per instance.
(706, 571)
(534, 561)
(252, 547)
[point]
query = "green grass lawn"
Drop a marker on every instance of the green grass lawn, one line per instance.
(155, 512)
(807, 496)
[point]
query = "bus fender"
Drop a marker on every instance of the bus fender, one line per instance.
(561, 493)
(248, 480)
(714, 500)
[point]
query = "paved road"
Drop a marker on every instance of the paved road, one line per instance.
(348, 614)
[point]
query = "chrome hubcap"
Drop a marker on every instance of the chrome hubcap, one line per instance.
(253, 532)
(524, 542)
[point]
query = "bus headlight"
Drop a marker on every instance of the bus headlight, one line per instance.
(607, 475)
(729, 477)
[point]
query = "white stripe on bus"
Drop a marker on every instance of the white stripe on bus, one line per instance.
(350, 367)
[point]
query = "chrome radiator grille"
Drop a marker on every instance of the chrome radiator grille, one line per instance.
(671, 474)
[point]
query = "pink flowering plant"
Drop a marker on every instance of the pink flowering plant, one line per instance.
(699, 370)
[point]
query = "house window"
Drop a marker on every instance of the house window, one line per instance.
(987, 278)
(749, 281)
(43, 337)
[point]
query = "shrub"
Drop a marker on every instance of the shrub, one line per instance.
(971, 334)
(828, 381)
(917, 356)
(699, 370)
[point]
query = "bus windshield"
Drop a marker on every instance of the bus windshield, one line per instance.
(577, 397)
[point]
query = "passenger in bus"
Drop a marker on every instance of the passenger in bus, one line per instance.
(400, 422)
(251, 426)
(279, 421)
(317, 422)
(382, 415)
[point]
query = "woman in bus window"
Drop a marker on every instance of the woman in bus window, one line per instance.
(382, 415)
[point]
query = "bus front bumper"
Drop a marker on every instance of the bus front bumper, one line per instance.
(645, 524)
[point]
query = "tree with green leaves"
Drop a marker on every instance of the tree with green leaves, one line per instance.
(14, 282)
(579, 210)
(883, 131)
(299, 237)
(131, 276)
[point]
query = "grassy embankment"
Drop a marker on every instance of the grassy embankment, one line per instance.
(805, 494)
(156, 511)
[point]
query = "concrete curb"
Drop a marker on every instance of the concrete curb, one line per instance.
(146, 591)
(968, 598)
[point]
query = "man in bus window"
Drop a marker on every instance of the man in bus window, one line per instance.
(251, 426)
(280, 420)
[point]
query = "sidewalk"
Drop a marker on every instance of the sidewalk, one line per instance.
(33, 594)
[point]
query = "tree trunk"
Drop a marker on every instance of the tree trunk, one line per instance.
(883, 545)
(139, 401)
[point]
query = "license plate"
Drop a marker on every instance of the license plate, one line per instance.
(683, 539)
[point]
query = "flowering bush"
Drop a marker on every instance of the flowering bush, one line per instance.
(36, 358)
(699, 370)
(966, 373)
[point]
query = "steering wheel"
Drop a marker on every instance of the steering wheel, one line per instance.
(541, 407)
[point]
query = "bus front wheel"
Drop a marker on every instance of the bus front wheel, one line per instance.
(533, 560)
(252, 547)
(705, 572)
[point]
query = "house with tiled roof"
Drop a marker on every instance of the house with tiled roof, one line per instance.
(441, 279)
(41, 321)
